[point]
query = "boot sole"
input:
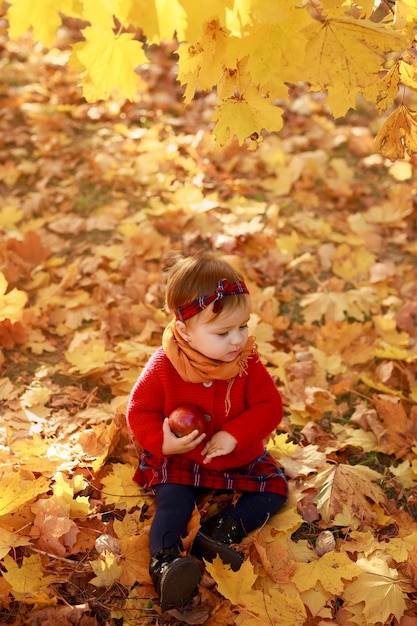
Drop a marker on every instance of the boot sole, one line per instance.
(178, 583)
(204, 547)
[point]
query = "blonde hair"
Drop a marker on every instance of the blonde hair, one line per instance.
(192, 277)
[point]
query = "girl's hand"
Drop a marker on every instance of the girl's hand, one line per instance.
(179, 445)
(220, 444)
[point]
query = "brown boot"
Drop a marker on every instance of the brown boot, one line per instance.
(215, 538)
(175, 577)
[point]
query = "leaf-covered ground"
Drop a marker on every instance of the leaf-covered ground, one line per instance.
(323, 228)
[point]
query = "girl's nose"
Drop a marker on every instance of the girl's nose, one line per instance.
(235, 339)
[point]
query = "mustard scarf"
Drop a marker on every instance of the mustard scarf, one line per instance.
(194, 367)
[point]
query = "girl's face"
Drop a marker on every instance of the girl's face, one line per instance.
(221, 339)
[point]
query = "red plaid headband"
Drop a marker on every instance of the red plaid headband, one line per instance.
(224, 288)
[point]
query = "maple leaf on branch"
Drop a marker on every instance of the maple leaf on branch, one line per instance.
(339, 43)
(398, 134)
(244, 116)
(108, 62)
(23, 14)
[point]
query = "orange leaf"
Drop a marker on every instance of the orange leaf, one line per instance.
(398, 134)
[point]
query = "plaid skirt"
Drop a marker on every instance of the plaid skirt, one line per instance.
(261, 474)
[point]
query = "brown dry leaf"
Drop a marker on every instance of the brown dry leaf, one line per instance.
(304, 461)
(30, 250)
(135, 560)
(411, 566)
(62, 615)
(53, 528)
(360, 542)
(396, 437)
(350, 488)
(274, 558)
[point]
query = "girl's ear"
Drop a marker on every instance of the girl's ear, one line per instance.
(182, 329)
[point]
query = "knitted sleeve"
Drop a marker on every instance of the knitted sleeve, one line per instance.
(263, 410)
(145, 407)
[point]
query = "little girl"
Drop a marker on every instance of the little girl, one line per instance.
(207, 360)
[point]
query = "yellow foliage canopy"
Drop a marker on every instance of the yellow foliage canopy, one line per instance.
(340, 48)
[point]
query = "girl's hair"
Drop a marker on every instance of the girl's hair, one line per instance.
(192, 277)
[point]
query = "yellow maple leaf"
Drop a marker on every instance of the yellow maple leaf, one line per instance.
(288, 520)
(107, 569)
(42, 15)
(335, 305)
(63, 490)
(275, 35)
(331, 570)
(120, 488)
(87, 353)
(11, 303)
(279, 446)
(351, 265)
(130, 525)
(405, 473)
(28, 582)
(201, 63)
(400, 547)
(161, 18)
(388, 87)
(232, 585)
(338, 43)
(405, 13)
(10, 216)
(9, 539)
(379, 588)
(327, 304)
(16, 491)
(398, 134)
(244, 116)
(282, 606)
(101, 13)
(109, 61)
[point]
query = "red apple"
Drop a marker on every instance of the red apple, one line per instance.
(186, 418)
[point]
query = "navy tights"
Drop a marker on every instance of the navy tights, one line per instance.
(175, 504)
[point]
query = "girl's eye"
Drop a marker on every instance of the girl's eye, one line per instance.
(244, 326)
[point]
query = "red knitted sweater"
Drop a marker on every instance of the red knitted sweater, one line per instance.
(256, 409)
